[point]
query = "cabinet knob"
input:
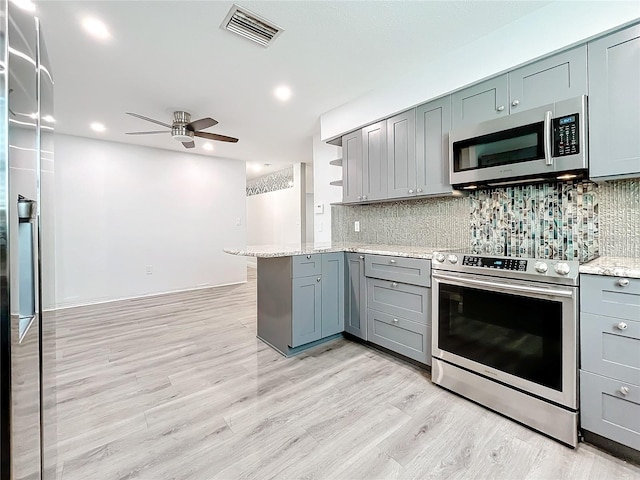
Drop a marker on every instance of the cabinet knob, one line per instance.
(500, 108)
(361, 257)
(394, 284)
(624, 390)
(419, 190)
(410, 190)
(621, 326)
(364, 197)
(308, 256)
(359, 197)
(515, 103)
(318, 279)
(395, 320)
(392, 261)
(623, 282)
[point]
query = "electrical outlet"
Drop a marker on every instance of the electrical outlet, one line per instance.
(356, 226)
(149, 269)
(238, 221)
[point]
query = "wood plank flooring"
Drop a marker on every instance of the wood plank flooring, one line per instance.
(177, 387)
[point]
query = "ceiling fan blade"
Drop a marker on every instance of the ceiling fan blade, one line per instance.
(215, 136)
(149, 119)
(147, 133)
(190, 144)
(202, 124)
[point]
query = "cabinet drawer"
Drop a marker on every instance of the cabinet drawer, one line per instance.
(306, 265)
(416, 271)
(407, 301)
(610, 296)
(611, 347)
(607, 412)
(400, 335)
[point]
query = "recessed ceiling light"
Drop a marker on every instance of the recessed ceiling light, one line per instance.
(27, 5)
(282, 93)
(98, 127)
(208, 146)
(96, 28)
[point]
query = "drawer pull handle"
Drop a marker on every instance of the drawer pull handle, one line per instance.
(621, 326)
(624, 390)
(308, 256)
(395, 320)
(394, 284)
(318, 279)
(392, 261)
(623, 282)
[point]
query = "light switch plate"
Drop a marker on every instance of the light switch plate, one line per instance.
(356, 226)
(318, 208)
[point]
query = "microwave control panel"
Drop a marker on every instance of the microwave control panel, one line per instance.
(566, 134)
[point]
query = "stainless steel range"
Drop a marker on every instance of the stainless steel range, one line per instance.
(505, 334)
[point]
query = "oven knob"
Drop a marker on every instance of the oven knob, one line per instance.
(541, 267)
(452, 258)
(562, 268)
(439, 257)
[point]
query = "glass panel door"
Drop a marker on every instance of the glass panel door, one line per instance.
(518, 335)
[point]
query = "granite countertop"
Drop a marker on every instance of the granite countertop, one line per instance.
(270, 251)
(613, 266)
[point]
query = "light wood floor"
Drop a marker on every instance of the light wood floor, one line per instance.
(178, 387)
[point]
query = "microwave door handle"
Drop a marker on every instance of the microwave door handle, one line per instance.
(548, 159)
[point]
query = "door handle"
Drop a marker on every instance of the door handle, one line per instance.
(548, 159)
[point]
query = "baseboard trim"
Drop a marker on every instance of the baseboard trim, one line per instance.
(148, 295)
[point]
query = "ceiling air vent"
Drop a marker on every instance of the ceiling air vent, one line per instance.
(251, 26)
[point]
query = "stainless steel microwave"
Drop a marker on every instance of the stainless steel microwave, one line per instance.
(548, 142)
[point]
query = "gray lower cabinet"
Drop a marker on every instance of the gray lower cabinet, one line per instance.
(355, 301)
(433, 123)
(610, 357)
(296, 309)
(398, 305)
(614, 104)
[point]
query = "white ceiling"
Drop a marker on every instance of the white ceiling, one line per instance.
(172, 55)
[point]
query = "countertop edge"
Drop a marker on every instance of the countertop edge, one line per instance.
(306, 251)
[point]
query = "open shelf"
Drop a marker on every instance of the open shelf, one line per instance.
(336, 183)
(337, 162)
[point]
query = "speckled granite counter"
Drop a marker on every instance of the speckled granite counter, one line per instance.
(613, 267)
(270, 251)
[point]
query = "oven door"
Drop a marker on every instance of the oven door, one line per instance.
(519, 333)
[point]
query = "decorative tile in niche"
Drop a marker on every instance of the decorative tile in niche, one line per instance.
(271, 182)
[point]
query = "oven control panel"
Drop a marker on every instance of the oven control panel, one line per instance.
(516, 264)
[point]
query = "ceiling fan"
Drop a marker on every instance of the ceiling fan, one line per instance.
(183, 129)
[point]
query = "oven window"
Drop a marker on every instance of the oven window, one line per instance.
(516, 145)
(518, 335)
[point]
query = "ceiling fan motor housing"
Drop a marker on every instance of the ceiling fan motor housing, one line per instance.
(179, 130)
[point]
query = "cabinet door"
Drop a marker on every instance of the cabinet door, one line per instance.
(401, 155)
(352, 167)
(485, 101)
(433, 122)
(614, 104)
(307, 310)
(332, 294)
(555, 78)
(374, 161)
(355, 297)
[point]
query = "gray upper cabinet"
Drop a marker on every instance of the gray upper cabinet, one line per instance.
(374, 161)
(332, 294)
(559, 77)
(614, 104)
(352, 167)
(433, 122)
(484, 101)
(355, 296)
(307, 310)
(401, 155)
(546, 81)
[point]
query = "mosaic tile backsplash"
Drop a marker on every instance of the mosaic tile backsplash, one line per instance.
(578, 220)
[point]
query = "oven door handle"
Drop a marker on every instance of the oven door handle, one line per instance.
(506, 287)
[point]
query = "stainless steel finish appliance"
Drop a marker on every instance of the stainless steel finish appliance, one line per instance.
(537, 144)
(27, 331)
(505, 333)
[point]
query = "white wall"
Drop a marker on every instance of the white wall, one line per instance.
(548, 29)
(324, 194)
(120, 208)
